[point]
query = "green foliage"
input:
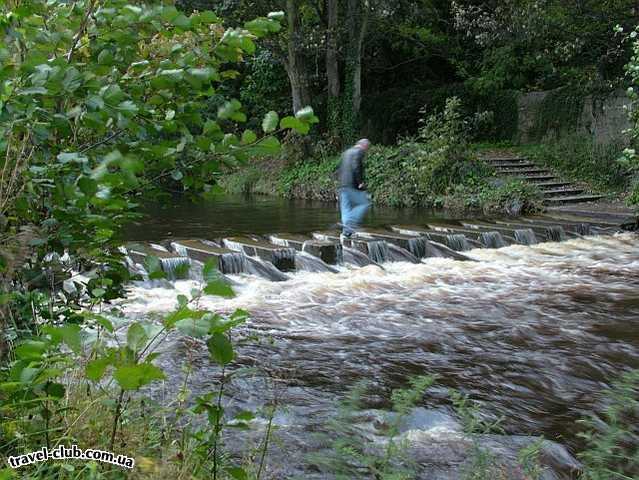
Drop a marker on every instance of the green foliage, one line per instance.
(609, 454)
(559, 111)
(580, 158)
(629, 159)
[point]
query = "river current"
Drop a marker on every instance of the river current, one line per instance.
(534, 334)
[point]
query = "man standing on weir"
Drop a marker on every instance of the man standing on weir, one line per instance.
(353, 198)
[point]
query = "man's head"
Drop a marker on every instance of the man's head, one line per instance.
(363, 143)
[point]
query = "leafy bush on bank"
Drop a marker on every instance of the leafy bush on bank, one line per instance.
(434, 170)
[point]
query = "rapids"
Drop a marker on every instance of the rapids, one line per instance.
(534, 333)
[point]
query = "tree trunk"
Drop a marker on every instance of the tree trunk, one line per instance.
(296, 64)
(357, 14)
(332, 66)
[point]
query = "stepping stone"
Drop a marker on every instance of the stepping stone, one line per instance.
(582, 228)
(330, 251)
(170, 263)
(290, 240)
(282, 257)
(399, 239)
(508, 228)
(229, 261)
(443, 237)
(199, 250)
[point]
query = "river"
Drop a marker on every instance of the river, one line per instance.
(532, 333)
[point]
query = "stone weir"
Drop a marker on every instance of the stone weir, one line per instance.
(323, 251)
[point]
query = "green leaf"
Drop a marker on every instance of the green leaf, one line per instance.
(269, 124)
(296, 124)
(169, 13)
(245, 416)
(248, 137)
(72, 79)
(210, 272)
(31, 350)
(95, 369)
(55, 390)
(219, 288)
(266, 146)
(305, 114)
(237, 473)
(194, 327)
(207, 16)
(133, 377)
(69, 334)
(177, 175)
(229, 109)
(153, 267)
(181, 21)
(180, 314)
(88, 186)
(220, 349)
(136, 337)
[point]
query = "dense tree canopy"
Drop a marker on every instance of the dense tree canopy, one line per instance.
(373, 64)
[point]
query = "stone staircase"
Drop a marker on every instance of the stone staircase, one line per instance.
(555, 190)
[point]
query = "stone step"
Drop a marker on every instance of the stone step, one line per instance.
(503, 165)
(562, 191)
(552, 184)
(498, 160)
(282, 257)
(572, 199)
(524, 171)
(537, 178)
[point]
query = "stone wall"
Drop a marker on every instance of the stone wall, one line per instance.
(604, 118)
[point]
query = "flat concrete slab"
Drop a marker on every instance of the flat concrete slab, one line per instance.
(396, 238)
(450, 239)
(172, 264)
(290, 240)
(508, 229)
(282, 257)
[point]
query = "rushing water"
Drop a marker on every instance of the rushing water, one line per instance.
(534, 333)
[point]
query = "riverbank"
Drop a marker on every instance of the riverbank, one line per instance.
(397, 177)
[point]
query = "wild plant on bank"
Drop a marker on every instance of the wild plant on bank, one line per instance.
(108, 372)
(350, 455)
